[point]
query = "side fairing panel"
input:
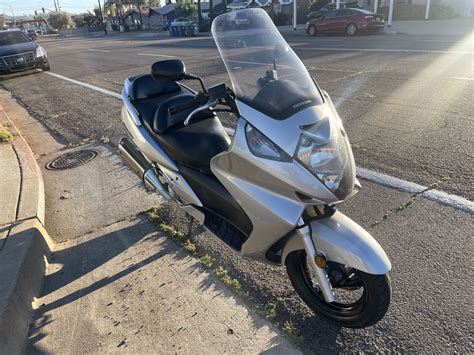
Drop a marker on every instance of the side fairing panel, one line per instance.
(265, 189)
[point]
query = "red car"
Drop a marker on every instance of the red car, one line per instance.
(348, 21)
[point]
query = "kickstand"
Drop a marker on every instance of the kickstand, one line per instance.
(190, 225)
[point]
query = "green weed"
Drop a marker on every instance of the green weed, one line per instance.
(289, 328)
(5, 135)
(207, 261)
(270, 310)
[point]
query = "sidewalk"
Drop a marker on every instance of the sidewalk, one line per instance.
(113, 282)
(454, 27)
(23, 240)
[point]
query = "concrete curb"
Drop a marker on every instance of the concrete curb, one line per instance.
(23, 251)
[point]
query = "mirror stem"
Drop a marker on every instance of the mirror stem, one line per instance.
(195, 77)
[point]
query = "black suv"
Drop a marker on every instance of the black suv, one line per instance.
(19, 52)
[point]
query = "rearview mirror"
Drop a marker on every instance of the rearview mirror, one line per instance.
(168, 70)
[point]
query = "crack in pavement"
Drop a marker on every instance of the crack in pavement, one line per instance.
(403, 206)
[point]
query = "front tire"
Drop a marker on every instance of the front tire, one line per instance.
(366, 310)
(351, 29)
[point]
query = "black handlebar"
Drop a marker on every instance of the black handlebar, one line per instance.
(194, 103)
(217, 93)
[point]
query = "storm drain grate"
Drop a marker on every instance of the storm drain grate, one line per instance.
(71, 160)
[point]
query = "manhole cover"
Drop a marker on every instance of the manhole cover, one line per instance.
(71, 160)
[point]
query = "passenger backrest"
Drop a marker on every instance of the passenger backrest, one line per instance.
(144, 87)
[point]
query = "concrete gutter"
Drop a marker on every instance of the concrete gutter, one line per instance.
(24, 243)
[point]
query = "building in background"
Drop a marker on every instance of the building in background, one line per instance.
(159, 15)
(460, 7)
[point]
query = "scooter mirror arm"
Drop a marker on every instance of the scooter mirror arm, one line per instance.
(199, 109)
(189, 76)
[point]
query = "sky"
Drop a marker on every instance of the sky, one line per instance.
(28, 7)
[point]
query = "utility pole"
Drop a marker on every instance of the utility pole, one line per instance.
(338, 4)
(199, 15)
(55, 6)
(211, 10)
(59, 7)
(390, 13)
(294, 14)
(101, 13)
(427, 12)
(376, 5)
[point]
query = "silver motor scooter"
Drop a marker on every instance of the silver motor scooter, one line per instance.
(270, 192)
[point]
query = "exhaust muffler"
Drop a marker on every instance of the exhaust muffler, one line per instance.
(135, 160)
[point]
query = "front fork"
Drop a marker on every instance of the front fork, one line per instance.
(304, 232)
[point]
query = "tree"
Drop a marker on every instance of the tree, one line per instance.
(88, 19)
(60, 20)
(2, 21)
(186, 9)
(318, 4)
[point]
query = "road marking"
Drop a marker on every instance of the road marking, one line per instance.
(89, 86)
(390, 50)
(98, 50)
(459, 78)
(444, 198)
(413, 188)
(157, 55)
(438, 40)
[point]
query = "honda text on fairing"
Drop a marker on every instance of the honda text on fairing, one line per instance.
(270, 192)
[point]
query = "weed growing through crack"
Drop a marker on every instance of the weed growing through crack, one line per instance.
(223, 275)
(288, 328)
(207, 261)
(270, 310)
(105, 139)
(5, 135)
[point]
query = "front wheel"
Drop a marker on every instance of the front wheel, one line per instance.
(351, 29)
(361, 299)
(312, 31)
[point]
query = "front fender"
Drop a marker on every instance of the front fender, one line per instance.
(344, 241)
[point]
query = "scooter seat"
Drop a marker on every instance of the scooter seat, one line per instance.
(195, 145)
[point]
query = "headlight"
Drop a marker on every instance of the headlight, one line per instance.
(40, 52)
(263, 147)
(324, 151)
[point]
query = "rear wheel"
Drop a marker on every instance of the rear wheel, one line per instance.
(351, 29)
(312, 31)
(361, 299)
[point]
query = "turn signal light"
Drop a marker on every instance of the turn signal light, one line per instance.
(320, 261)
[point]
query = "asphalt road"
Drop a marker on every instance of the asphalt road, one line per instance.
(407, 104)
(406, 101)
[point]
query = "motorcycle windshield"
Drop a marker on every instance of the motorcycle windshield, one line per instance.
(265, 72)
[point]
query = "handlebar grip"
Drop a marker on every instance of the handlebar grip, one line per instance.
(177, 109)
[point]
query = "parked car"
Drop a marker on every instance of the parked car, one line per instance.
(32, 34)
(348, 21)
(331, 7)
(18, 52)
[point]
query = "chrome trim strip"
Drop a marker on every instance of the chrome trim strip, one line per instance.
(17, 54)
(130, 108)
